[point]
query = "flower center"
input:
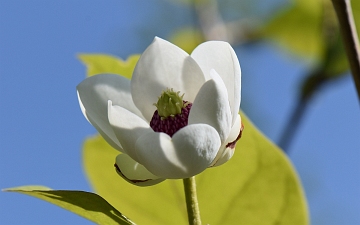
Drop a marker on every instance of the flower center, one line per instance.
(172, 113)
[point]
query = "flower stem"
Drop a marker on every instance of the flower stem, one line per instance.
(191, 201)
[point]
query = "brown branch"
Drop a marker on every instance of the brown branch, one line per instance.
(350, 38)
(210, 21)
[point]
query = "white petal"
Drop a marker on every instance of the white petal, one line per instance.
(226, 156)
(189, 152)
(226, 152)
(94, 93)
(220, 56)
(164, 65)
(127, 127)
(211, 106)
(112, 141)
(82, 107)
(135, 173)
(235, 130)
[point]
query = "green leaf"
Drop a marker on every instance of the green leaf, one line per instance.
(101, 63)
(151, 205)
(355, 5)
(257, 186)
(336, 62)
(298, 28)
(88, 205)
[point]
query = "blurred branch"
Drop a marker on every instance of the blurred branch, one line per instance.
(311, 85)
(293, 123)
(213, 27)
(210, 21)
(327, 72)
(350, 38)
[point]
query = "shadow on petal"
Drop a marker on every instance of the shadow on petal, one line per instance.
(135, 173)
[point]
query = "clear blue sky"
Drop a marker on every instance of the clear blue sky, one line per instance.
(42, 127)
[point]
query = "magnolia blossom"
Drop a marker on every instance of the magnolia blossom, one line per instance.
(176, 117)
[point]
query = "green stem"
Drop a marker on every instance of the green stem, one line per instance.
(350, 38)
(191, 201)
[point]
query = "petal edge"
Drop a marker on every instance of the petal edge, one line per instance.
(189, 152)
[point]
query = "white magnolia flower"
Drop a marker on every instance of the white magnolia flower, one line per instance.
(194, 123)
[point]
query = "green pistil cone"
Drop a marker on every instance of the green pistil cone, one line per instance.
(170, 103)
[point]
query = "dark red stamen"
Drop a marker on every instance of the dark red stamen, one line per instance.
(171, 124)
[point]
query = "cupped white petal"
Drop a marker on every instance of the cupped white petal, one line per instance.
(128, 127)
(135, 173)
(220, 56)
(161, 66)
(82, 107)
(94, 93)
(211, 106)
(227, 149)
(190, 151)
(226, 156)
(235, 130)
(112, 141)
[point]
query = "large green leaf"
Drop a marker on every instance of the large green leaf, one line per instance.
(257, 186)
(151, 205)
(88, 205)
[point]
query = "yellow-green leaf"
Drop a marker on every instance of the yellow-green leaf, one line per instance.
(102, 63)
(88, 205)
(355, 5)
(151, 205)
(298, 28)
(257, 186)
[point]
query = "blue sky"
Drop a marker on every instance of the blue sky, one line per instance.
(42, 127)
